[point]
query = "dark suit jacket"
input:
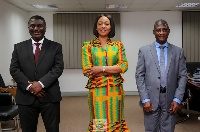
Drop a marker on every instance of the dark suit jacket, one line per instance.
(148, 74)
(48, 70)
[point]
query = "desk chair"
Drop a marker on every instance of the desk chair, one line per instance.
(192, 66)
(8, 111)
(184, 106)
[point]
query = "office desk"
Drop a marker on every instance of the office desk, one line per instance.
(195, 92)
(193, 85)
(11, 90)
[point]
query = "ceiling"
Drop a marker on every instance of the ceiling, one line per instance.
(100, 5)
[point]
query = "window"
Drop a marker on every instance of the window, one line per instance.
(191, 36)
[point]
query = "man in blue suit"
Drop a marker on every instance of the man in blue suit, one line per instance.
(161, 80)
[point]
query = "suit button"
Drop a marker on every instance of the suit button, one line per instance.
(158, 77)
(158, 88)
(35, 72)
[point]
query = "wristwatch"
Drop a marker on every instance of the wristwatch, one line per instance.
(104, 69)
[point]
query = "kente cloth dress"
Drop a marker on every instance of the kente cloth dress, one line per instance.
(106, 94)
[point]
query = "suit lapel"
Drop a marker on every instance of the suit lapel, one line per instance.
(154, 54)
(169, 57)
(30, 51)
(43, 50)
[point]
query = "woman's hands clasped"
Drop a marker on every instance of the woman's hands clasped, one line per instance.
(94, 71)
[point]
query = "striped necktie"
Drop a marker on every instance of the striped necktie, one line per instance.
(37, 52)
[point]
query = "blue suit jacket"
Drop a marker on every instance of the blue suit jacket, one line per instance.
(148, 74)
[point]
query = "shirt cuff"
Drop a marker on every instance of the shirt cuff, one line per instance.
(41, 84)
(145, 100)
(28, 86)
(177, 100)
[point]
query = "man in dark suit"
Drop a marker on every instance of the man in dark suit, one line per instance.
(161, 79)
(38, 89)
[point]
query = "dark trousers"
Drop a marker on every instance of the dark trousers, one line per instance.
(29, 114)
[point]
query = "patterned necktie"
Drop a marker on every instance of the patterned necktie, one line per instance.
(37, 52)
(162, 67)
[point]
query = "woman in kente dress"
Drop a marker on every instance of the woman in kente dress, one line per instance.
(103, 62)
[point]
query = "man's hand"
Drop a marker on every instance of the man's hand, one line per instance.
(174, 107)
(147, 107)
(41, 94)
(35, 88)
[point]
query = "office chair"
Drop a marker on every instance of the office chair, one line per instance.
(183, 111)
(8, 111)
(192, 66)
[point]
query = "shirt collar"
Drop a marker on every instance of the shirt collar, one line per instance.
(157, 44)
(41, 41)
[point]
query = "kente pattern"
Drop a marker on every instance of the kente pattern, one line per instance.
(93, 54)
(106, 94)
(107, 104)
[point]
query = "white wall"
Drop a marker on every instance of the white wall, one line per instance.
(136, 31)
(13, 29)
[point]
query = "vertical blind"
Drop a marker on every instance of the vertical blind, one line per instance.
(191, 36)
(72, 29)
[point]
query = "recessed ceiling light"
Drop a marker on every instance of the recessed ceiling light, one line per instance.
(46, 6)
(188, 5)
(116, 6)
